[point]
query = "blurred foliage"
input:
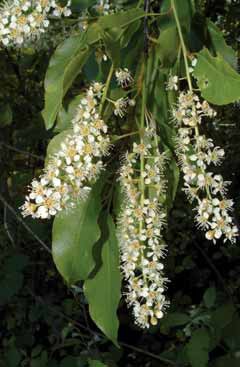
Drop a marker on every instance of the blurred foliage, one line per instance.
(46, 324)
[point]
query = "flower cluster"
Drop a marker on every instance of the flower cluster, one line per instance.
(196, 153)
(71, 171)
(24, 20)
(140, 225)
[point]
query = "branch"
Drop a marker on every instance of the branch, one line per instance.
(20, 220)
(10, 147)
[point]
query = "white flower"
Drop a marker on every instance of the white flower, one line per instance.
(172, 83)
(124, 78)
(193, 64)
(120, 107)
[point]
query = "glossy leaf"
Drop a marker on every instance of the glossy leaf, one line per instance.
(74, 234)
(103, 290)
(64, 66)
(218, 81)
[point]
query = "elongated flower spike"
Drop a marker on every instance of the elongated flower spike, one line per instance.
(70, 172)
(140, 231)
(196, 153)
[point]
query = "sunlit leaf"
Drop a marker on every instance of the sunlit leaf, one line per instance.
(64, 66)
(75, 232)
(103, 289)
(218, 81)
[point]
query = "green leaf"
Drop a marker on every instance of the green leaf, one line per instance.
(209, 297)
(220, 46)
(103, 290)
(94, 363)
(112, 45)
(220, 319)
(218, 81)
(55, 144)
(80, 5)
(175, 319)
(65, 64)
(198, 347)
(122, 19)
(12, 357)
(185, 11)
(75, 232)
(231, 335)
(73, 362)
(128, 33)
(223, 315)
(173, 174)
(168, 36)
(64, 117)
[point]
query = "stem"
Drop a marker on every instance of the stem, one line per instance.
(184, 49)
(7, 227)
(142, 142)
(104, 96)
(124, 136)
(5, 145)
(19, 219)
(142, 188)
